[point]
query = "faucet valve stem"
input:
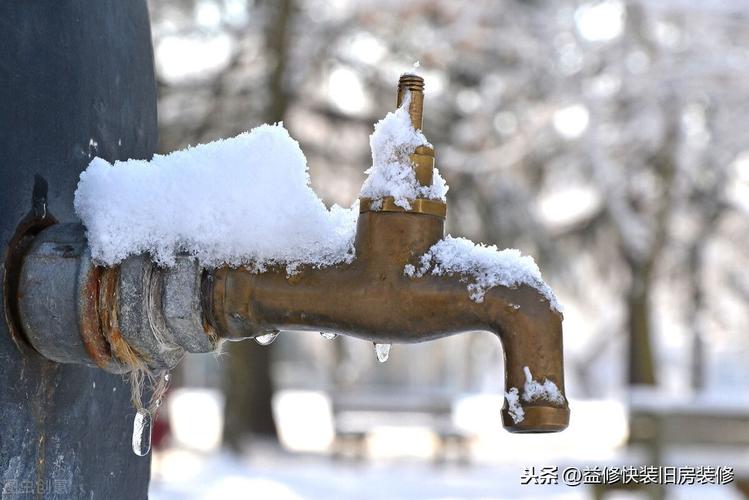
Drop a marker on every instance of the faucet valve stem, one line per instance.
(414, 84)
(423, 157)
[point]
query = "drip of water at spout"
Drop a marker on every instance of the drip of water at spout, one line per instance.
(383, 352)
(142, 433)
(328, 336)
(268, 338)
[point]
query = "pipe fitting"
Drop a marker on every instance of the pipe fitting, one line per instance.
(129, 315)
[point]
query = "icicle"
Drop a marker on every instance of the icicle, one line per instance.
(328, 336)
(268, 338)
(142, 433)
(383, 352)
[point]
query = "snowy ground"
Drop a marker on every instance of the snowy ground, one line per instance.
(273, 474)
(399, 463)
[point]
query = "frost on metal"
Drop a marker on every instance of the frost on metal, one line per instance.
(513, 405)
(534, 390)
(482, 267)
(392, 174)
(246, 200)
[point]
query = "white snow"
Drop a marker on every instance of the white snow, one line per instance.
(240, 201)
(392, 174)
(482, 266)
(513, 405)
(534, 390)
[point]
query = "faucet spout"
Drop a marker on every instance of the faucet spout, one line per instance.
(373, 299)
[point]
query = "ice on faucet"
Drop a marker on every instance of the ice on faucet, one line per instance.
(268, 338)
(483, 267)
(246, 200)
(392, 174)
(382, 351)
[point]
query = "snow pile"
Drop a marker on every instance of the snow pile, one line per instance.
(533, 390)
(392, 174)
(513, 405)
(240, 201)
(484, 266)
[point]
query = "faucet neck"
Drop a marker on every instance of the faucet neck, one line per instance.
(390, 240)
(389, 236)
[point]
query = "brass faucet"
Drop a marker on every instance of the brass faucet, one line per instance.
(373, 299)
(137, 316)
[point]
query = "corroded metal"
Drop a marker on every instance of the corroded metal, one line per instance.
(140, 317)
(47, 292)
(120, 318)
(32, 224)
(182, 308)
(90, 295)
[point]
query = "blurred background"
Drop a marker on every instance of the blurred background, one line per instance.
(608, 139)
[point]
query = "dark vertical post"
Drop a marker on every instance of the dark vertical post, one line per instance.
(76, 80)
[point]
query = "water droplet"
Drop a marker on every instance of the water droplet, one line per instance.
(167, 377)
(268, 338)
(142, 433)
(383, 352)
(328, 336)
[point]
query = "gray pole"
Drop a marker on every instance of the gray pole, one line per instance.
(76, 80)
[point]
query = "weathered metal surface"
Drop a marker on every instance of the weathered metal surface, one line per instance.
(140, 318)
(90, 324)
(48, 287)
(118, 318)
(372, 299)
(77, 80)
(58, 300)
(182, 307)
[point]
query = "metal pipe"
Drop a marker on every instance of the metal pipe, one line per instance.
(373, 300)
(137, 314)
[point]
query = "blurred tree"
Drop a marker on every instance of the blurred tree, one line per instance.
(249, 387)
